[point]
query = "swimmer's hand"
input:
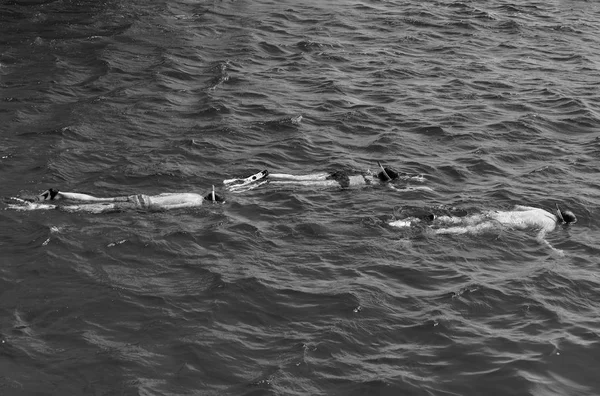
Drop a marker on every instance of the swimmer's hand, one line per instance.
(541, 239)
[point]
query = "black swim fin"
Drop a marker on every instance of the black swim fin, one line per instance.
(47, 195)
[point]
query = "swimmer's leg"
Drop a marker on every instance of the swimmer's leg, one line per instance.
(96, 208)
(306, 183)
(322, 179)
(468, 229)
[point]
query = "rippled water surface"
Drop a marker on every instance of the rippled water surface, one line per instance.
(298, 291)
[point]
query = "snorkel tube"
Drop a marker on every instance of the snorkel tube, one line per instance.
(386, 174)
(211, 196)
(565, 217)
(559, 215)
(387, 177)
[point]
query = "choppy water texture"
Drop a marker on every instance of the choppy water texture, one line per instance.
(298, 292)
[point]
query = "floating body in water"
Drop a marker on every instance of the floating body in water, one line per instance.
(521, 217)
(77, 202)
(339, 179)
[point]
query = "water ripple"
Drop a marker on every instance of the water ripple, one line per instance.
(290, 290)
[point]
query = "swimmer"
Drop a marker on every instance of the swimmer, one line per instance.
(339, 179)
(521, 218)
(77, 202)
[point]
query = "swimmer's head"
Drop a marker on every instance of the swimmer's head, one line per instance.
(565, 216)
(214, 197)
(387, 174)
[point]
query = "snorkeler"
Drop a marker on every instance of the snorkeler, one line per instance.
(339, 179)
(77, 202)
(521, 218)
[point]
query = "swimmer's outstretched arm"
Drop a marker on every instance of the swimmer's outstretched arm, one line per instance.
(88, 204)
(54, 195)
(23, 205)
(87, 198)
(309, 177)
(310, 180)
(541, 238)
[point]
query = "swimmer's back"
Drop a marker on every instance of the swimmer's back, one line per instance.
(166, 200)
(525, 217)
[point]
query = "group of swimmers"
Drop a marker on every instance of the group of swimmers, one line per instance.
(521, 217)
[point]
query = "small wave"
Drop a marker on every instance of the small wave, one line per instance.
(310, 45)
(273, 49)
(430, 131)
(220, 75)
(510, 26)
(288, 121)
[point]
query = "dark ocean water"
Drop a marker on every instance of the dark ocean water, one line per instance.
(289, 291)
